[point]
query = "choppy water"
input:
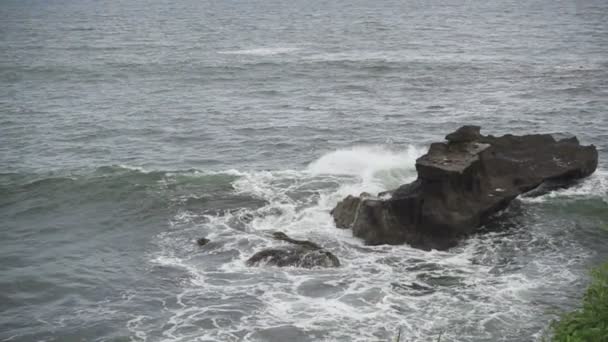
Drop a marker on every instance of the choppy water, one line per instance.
(129, 129)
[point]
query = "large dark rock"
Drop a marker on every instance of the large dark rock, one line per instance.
(461, 184)
(301, 253)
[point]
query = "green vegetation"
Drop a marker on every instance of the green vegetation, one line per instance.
(590, 323)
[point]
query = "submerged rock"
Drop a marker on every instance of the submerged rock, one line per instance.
(294, 256)
(202, 241)
(461, 184)
(304, 243)
(301, 253)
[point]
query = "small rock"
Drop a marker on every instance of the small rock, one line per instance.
(306, 254)
(202, 241)
(296, 256)
(304, 243)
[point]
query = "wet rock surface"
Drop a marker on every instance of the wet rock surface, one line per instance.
(202, 241)
(300, 253)
(461, 183)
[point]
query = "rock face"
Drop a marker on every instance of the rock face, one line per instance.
(461, 184)
(301, 253)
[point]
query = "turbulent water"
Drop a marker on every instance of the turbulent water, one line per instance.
(128, 129)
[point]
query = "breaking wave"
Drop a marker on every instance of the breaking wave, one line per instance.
(268, 51)
(595, 186)
(492, 286)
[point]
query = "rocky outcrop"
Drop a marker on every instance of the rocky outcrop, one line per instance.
(461, 184)
(300, 253)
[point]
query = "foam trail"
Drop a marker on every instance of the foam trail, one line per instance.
(482, 288)
(595, 185)
(261, 51)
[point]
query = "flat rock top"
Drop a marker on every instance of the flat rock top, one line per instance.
(452, 157)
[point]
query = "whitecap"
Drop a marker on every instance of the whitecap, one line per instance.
(376, 167)
(267, 51)
(357, 56)
(472, 285)
(594, 186)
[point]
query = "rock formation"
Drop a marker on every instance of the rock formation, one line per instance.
(461, 184)
(300, 253)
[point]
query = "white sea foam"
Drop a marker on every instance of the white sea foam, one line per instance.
(375, 167)
(595, 186)
(364, 161)
(480, 289)
(396, 56)
(267, 51)
(357, 56)
(133, 168)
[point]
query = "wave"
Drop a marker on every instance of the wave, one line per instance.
(400, 56)
(363, 160)
(117, 183)
(358, 56)
(377, 167)
(368, 168)
(337, 173)
(483, 287)
(485, 284)
(592, 187)
(268, 51)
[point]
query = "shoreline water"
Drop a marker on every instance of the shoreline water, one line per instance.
(130, 129)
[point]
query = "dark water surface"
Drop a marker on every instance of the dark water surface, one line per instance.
(130, 128)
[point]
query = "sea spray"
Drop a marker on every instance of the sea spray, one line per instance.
(376, 288)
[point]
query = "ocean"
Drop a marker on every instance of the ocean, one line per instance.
(129, 129)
